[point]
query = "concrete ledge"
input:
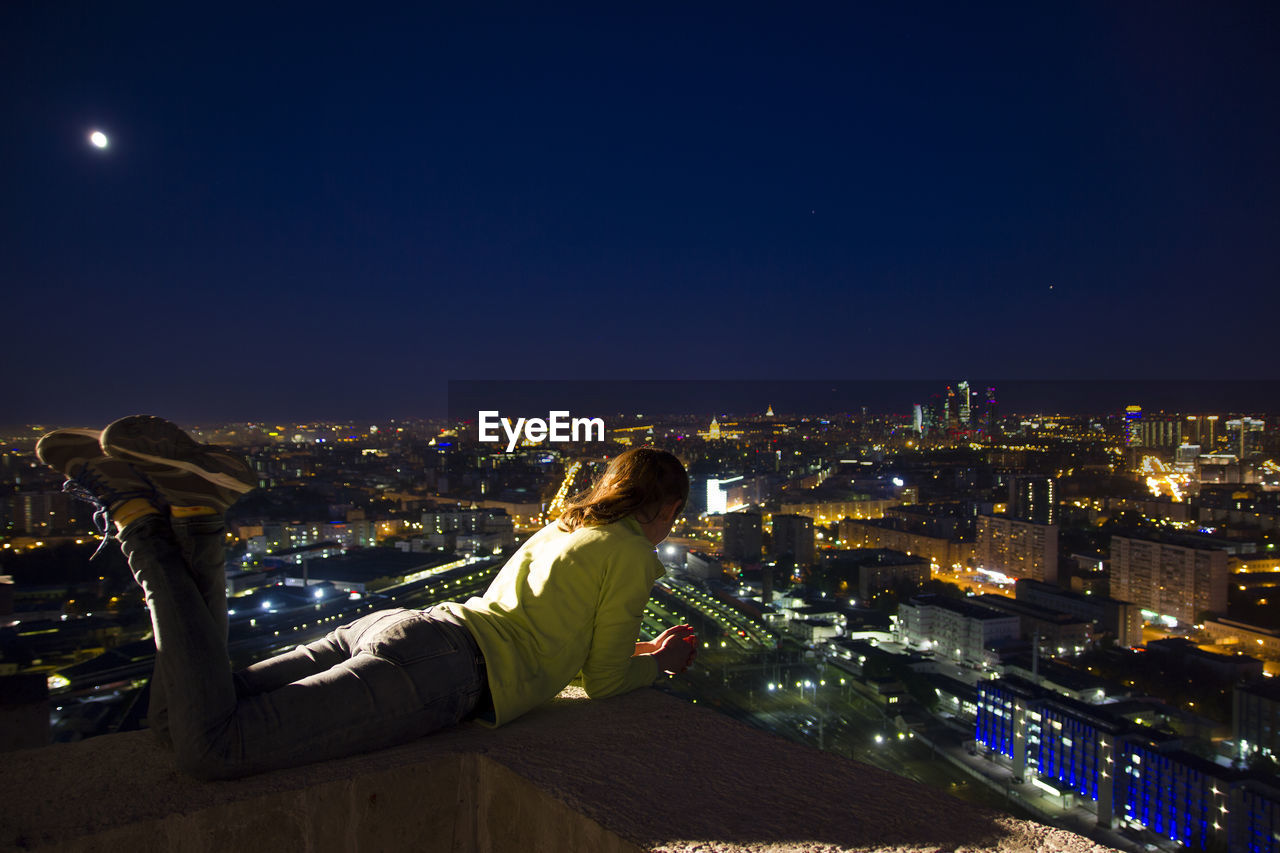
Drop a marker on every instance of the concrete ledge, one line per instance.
(642, 772)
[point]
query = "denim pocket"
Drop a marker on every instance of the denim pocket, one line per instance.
(413, 638)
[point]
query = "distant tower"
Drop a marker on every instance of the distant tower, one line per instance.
(948, 406)
(714, 430)
(992, 410)
(769, 412)
(1132, 425)
(1033, 497)
(962, 391)
(917, 422)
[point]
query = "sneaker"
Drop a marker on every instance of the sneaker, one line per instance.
(186, 472)
(92, 476)
(68, 450)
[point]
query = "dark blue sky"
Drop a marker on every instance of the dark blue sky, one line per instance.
(310, 210)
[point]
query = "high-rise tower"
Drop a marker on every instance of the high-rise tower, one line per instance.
(1132, 425)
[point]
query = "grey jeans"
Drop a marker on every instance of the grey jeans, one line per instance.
(387, 678)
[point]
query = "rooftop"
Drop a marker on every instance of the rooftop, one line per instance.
(964, 607)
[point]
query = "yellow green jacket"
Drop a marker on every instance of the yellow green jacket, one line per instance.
(566, 603)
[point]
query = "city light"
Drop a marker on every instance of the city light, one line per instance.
(900, 672)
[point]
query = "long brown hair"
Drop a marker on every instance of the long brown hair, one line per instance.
(641, 480)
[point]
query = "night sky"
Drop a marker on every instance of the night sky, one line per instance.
(317, 211)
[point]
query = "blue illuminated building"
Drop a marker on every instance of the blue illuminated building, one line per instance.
(1073, 746)
(999, 701)
(1173, 793)
(1254, 819)
(1132, 776)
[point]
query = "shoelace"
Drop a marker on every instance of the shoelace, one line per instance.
(101, 519)
(100, 496)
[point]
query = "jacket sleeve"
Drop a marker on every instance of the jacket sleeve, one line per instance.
(610, 667)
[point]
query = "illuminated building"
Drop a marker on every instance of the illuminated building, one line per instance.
(829, 506)
(955, 629)
(729, 494)
(488, 520)
(1164, 431)
(931, 416)
(1254, 640)
(717, 431)
(43, 513)
(1244, 436)
(1129, 775)
(1132, 423)
(717, 501)
(1181, 579)
(897, 534)
(1020, 549)
(1172, 793)
(1033, 497)
(964, 403)
(1062, 744)
(993, 410)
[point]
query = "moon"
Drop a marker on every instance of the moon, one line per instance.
(98, 139)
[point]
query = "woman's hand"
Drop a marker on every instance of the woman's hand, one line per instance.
(677, 650)
(677, 631)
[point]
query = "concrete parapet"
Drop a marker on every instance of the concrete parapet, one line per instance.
(641, 772)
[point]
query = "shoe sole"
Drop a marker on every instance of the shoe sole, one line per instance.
(183, 449)
(225, 481)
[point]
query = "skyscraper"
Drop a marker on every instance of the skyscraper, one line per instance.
(1162, 431)
(1245, 436)
(1033, 497)
(1132, 424)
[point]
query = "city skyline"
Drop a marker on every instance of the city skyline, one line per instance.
(783, 399)
(336, 215)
